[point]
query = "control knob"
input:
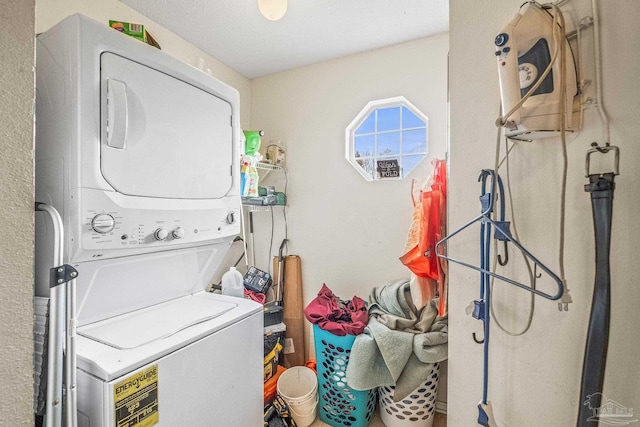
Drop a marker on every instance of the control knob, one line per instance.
(160, 234)
(502, 39)
(231, 217)
(178, 233)
(103, 223)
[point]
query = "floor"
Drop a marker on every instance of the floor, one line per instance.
(440, 420)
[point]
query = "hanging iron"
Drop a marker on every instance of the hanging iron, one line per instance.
(528, 53)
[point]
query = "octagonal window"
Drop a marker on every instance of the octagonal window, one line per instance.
(387, 139)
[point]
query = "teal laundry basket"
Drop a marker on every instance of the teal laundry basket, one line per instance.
(339, 404)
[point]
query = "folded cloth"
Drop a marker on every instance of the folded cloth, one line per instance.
(400, 343)
(338, 317)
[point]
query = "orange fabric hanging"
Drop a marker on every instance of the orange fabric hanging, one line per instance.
(427, 228)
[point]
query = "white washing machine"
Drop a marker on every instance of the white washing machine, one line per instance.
(186, 362)
(139, 153)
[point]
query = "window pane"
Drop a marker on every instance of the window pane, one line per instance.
(410, 162)
(410, 120)
(368, 126)
(414, 141)
(364, 146)
(367, 165)
(390, 130)
(388, 119)
(388, 143)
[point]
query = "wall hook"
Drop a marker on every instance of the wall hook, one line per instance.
(504, 261)
(475, 338)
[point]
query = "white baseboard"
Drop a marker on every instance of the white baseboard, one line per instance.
(441, 407)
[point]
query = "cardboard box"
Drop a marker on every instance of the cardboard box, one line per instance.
(293, 316)
(136, 31)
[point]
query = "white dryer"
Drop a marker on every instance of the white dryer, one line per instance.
(139, 153)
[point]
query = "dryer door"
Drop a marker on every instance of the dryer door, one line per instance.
(160, 136)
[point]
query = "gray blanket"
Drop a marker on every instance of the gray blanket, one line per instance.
(400, 343)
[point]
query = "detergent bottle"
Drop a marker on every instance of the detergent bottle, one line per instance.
(233, 283)
(244, 178)
(253, 179)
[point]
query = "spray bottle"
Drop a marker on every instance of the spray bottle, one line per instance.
(252, 141)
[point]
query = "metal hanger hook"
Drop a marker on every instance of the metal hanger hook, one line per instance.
(504, 261)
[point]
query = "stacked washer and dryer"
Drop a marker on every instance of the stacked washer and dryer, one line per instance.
(138, 152)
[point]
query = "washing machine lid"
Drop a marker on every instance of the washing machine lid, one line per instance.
(160, 136)
(132, 330)
(112, 347)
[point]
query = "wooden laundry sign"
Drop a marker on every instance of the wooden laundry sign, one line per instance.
(388, 169)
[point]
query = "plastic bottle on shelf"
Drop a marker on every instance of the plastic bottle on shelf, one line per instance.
(233, 283)
(252, 141)
(253, 180)
(244, 178)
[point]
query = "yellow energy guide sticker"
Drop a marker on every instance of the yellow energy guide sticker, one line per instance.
(136, 399)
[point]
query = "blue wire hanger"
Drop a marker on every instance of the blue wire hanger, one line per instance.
(503, 233)
(481, 310)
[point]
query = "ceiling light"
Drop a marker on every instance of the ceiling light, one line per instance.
(272, 9)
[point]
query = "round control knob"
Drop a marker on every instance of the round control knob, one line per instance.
(103, 223)
(527, 73)
(178, 233)
(160, 234)
(502, 39)
(231, 217)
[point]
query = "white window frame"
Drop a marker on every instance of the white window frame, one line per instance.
(398, 101)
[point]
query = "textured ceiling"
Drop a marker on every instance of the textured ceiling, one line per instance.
(234, 31)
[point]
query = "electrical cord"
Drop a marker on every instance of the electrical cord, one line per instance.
(558, 26)
(272, 296)
(566, 297)
(284, 215)
(284, 210)
(532, 278)
(269, 269)
(244, 237)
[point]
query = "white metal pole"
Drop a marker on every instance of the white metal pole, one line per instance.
(57, 298)
(71, 398)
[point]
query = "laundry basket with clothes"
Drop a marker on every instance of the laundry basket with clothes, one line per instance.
(336, 323)
(401, 345)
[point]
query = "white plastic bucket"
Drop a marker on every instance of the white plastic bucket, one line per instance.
(298, 386)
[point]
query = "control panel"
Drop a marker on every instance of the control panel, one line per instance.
(107, 226)
(108, 229)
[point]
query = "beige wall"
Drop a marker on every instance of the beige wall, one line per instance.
(348, 232)
(50, 12)
(16, 211)
(535, 379)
